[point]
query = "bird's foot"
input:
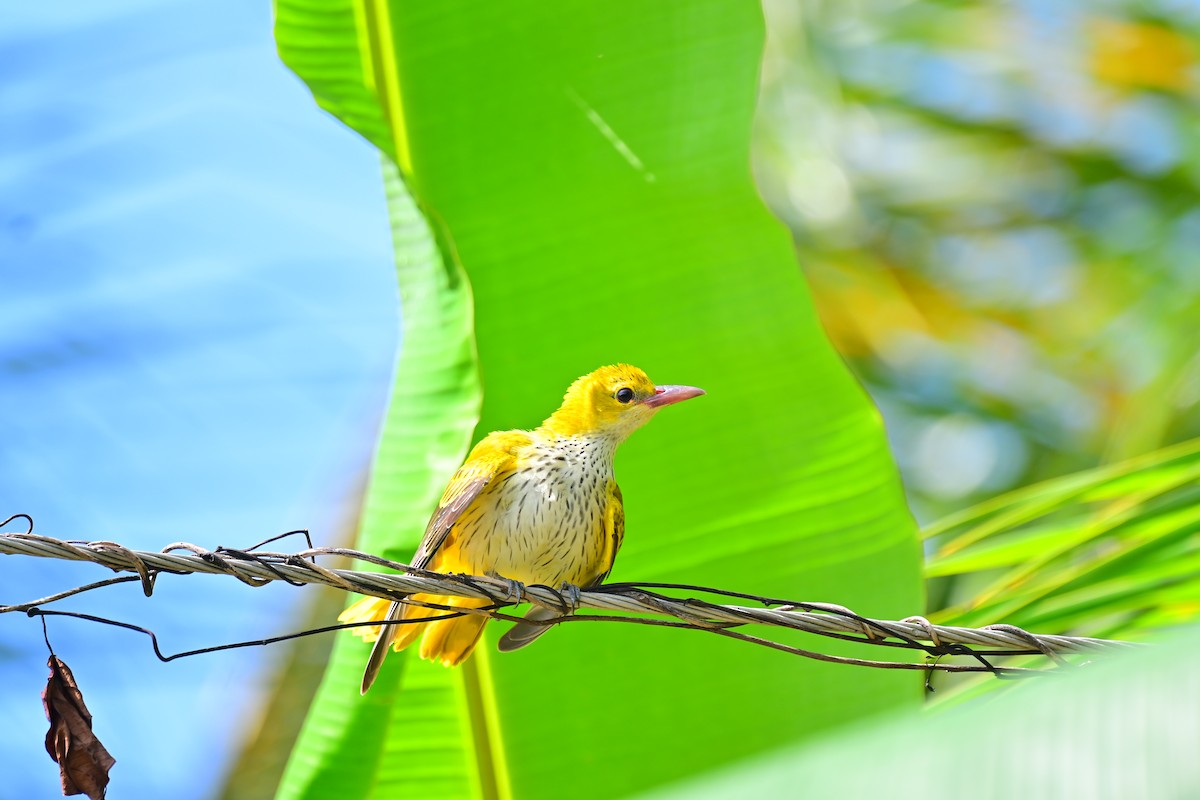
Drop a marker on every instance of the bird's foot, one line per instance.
(515, 589)
(570, 594)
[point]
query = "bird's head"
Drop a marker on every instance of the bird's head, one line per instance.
(613, 402)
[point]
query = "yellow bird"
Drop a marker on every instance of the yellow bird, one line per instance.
(537, 506)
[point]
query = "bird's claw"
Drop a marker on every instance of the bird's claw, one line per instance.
(515, 589)
(571, 595)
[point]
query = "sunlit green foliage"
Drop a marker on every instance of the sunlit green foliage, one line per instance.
(590, 171)
(996, 205)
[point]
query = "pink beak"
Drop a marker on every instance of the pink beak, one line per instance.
(667, 395)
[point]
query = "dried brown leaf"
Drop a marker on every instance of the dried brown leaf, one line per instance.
(82, 760)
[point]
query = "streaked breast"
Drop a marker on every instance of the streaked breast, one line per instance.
(544, 523)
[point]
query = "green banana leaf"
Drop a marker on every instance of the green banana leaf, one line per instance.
(588, 165)
(434, 407)
(1125, 726)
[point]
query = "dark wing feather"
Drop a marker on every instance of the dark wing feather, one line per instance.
(466, 489)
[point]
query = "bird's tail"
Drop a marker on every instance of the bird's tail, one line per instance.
(385, 637)
(523, 633)
(449, 641)
(377, 609)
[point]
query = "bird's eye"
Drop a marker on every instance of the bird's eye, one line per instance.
(624, 394)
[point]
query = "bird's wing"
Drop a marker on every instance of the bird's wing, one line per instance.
(614, 531)
(524, 633)
(490, 461)
(493, 459)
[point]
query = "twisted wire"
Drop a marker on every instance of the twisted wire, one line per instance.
(826, 619)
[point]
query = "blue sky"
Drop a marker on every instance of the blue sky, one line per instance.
(197, 326)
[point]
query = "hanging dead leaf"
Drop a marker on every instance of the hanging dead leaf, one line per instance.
(82, 760)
